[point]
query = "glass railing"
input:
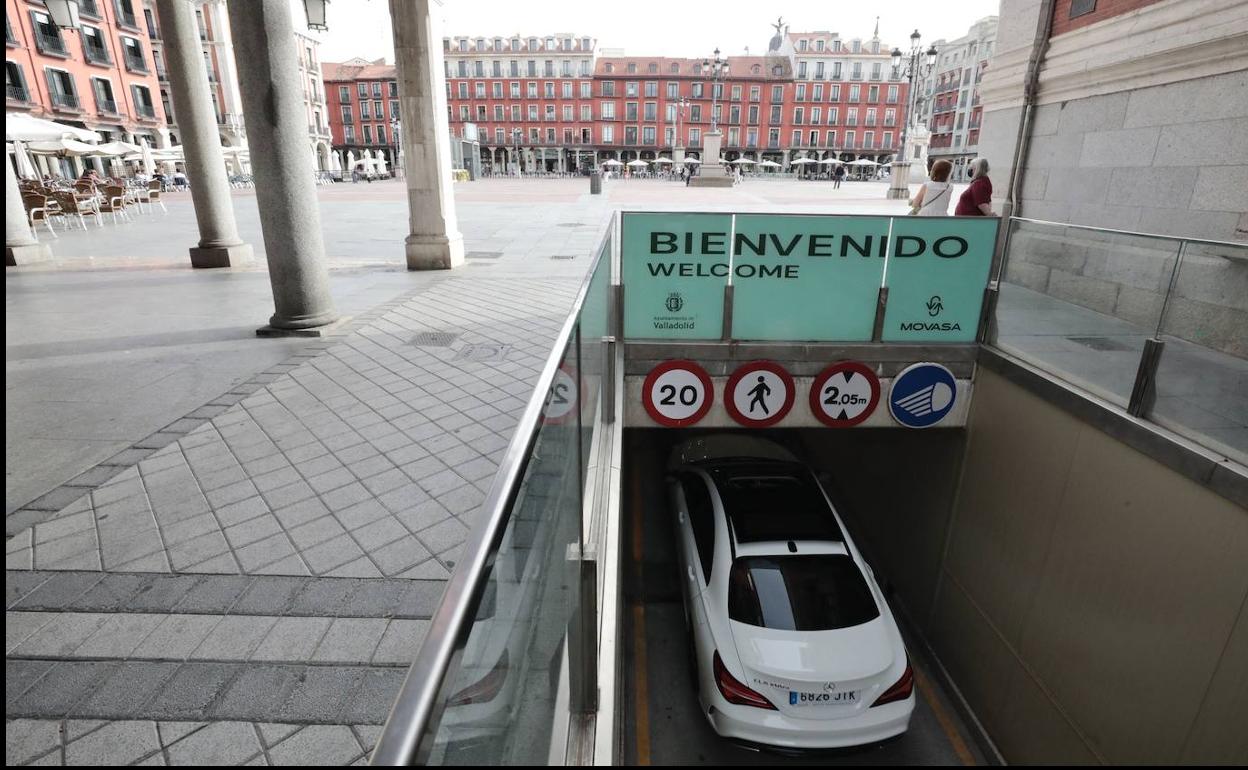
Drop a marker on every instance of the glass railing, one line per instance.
(1153, 324)
(491, 683)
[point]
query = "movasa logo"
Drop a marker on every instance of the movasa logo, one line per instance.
(935, 306)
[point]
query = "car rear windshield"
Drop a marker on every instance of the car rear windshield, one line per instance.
(775, 504)
(799, 593)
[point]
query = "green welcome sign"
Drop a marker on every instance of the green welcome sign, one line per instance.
(674, 268)
(807, 277)
(804, 277)
(937, 271)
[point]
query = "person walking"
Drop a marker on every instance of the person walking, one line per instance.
(933, 197)
(838, 176)
(976, 200)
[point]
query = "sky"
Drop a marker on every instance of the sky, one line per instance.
(656, 27)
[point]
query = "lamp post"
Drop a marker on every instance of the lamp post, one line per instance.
(918, 63)
(515, 139)
(679, 145)
(719, 69)
(396, 153)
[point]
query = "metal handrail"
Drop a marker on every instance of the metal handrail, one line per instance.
(417, 710)
(1093, 228)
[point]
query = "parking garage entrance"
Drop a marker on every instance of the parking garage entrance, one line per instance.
(1012, 520)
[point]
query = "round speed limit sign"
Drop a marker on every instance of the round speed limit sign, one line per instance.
(844, 394)
(676, 394)
(562, 397)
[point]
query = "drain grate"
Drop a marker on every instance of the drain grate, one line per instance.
(483, 254)
(1101, 343)
(434, 339)
(483, 352)
(563, 256)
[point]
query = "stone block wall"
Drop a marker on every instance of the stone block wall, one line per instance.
(1170, 160)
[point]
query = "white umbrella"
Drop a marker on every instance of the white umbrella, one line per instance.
(638, 162)
(692, 160)
(863, 162)
(802, 161)
(831, 161)
(381, 164)
(769, 163)
(335, 161)
(117, 148)
(19, 125)
(69, 147)
(25, 168)
(149, 163)
(612, 162)
(743, 161)
(350, 160)
(662, 160)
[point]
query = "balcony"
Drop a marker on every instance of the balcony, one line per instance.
(161, 75)
(67, 102)
(96, 54)
(136, 64)
(126, 18)
(106, 106)
(50, 44)
(14, 93)
(145, 111)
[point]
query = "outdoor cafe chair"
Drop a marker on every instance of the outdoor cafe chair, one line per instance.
(115, 202)
(36, 206)
(74, 206)
(153, 195)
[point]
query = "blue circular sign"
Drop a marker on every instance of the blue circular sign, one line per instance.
(922, 395)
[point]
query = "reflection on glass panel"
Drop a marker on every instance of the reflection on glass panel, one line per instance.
(593, 325)
(1202, 381)
(1080, 303)
(502, 701)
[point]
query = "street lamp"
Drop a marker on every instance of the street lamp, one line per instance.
(396, 155)
(515, 140)
(719, 69)
(679, 144)
(918, 63)
(316, 10)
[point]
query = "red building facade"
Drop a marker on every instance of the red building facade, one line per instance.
(362, 102)
(550, 103)
(101, 76)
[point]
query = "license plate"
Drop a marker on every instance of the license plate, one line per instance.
(843, 698)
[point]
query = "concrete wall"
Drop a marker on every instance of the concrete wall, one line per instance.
(1091, 604)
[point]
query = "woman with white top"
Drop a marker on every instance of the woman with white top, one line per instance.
(933, 197)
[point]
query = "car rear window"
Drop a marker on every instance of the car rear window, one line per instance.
(799, 593)
(777, 504)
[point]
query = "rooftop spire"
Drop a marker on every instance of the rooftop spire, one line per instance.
(877, 28)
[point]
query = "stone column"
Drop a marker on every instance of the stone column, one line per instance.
(434, 241)
(277, 132)
(219, 243)
(20, 246)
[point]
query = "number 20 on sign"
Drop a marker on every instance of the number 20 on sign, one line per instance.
(677, 394)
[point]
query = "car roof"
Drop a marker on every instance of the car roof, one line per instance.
(772, 501)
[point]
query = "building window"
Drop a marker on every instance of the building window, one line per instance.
(608, 134)
(607, 110)
(62, 89)
(531, 90)
(756, 93)
(381, 134)
(362, 88)
(515, 90)
(368, 134)
(586, 112)
(695, 137)
(1081, 8)
(344, 94)
(777, 94)
(346, 114)
(586, 90)
(105, 101)
(652, 89)
(567, 90)
(497, 90)
(855, 93)
(608, 87)
(134, 54)
(630, 88)
(125, 13)
(143, 102)
(94, 49)
(648, 135)
(478, 90)
(47, 35)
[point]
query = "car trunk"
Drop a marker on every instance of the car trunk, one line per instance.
(816, 674)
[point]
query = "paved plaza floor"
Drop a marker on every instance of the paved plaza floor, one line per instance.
(225, 549)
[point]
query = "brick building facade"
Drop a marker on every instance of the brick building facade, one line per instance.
(552, 103)
(102, 76)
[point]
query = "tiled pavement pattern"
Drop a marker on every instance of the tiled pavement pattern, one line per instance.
(278, 563)
(366, 461)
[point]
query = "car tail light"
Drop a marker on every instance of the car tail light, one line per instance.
(735, 692)
(485, 689)
(900, 690)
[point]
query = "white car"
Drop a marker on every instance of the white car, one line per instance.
(793, 642)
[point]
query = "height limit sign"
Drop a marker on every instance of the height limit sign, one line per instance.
(844, 394)
(677, 394)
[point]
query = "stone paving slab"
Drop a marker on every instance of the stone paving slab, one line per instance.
(147, 742)
(329, 468)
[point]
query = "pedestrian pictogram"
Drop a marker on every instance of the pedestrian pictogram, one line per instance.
(844, 394)
(759, 394)
(562, 398)
(922, 395)
(677, 394)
